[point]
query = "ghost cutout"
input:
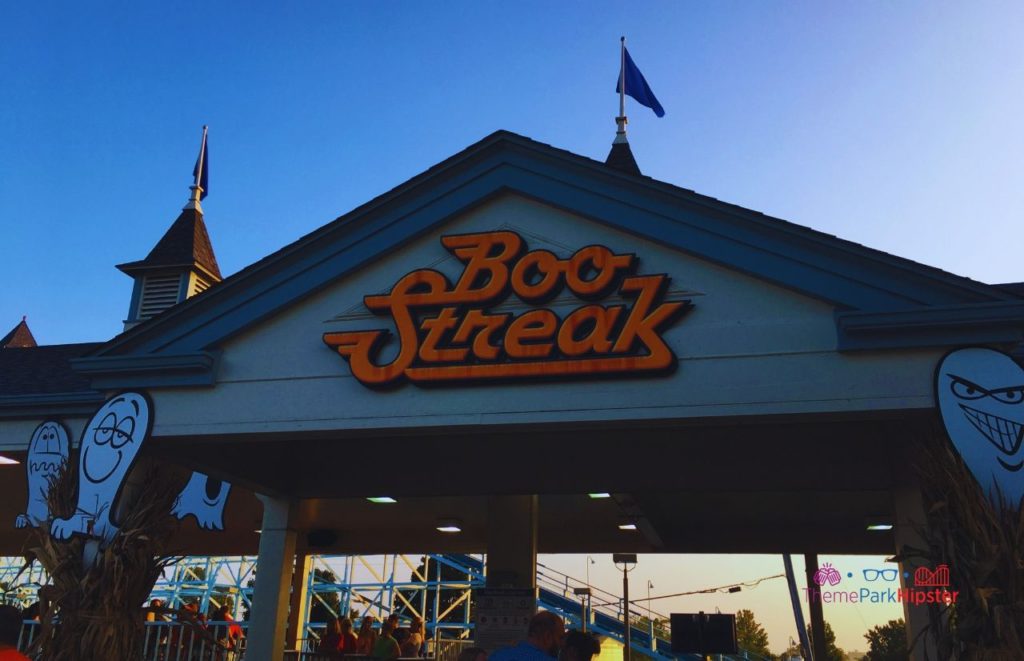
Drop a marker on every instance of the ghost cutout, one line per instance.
(981, 397)
(204, 498)
(110, 443)
(47, 452)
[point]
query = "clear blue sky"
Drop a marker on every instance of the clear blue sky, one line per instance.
(894, 124)
(897, 125)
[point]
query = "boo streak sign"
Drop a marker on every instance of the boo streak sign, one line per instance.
(448, 333)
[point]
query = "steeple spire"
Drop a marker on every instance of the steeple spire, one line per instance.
(182, 263)
(621, 156)
(201, 173)
(20, 337)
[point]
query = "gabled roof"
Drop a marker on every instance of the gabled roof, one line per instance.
(185, 244)
(20, 337)
(879, 298)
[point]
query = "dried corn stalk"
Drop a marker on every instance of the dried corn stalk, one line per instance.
(94, 613)
(982, 542)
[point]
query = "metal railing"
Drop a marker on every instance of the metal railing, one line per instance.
(174, 641)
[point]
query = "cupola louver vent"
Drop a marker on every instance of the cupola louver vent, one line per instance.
(159, 292)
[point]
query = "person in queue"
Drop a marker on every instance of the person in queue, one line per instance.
(11, 619)
(543, 642)
(349, 642)
(330, 641)
(367, 636)
(413, 643)
(386, 646)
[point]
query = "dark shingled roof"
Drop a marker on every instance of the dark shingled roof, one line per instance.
(185, 243)
(43, 370)
(1015, 288)
(621, 158)
(20, 337)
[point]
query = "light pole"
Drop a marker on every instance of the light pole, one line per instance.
(650, 620)
(584, 595)
(626, 559)
(590, 561)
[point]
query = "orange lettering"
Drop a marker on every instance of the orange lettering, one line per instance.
(533, 325)
(436, 329)
(446, 332)
(486, 274)
(601, 322)
(544, 263)
(600, 259)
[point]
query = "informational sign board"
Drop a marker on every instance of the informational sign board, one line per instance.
(503, 616)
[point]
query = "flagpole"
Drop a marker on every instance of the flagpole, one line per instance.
(620, 121)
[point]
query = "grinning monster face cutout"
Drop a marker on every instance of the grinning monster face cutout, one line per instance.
(47, 451)
(981, 398)
(204, 498)
(109, 445)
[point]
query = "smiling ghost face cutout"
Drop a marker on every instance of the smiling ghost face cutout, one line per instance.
(110, 443)
(981, 398)
(204, 498)
(47, 451)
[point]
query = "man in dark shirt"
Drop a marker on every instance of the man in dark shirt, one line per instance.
(543, 640)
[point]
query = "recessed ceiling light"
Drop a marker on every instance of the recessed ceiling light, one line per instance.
(599, 495)
(627, 526)
(381, 499)
(449, 525)
(879, 526)
(7, 461)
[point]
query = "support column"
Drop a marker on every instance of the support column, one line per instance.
(908, 508)
(512, 541)
(299, 604)
(273, 580)
(820, 650)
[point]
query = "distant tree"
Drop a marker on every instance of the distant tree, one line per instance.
(888, 642)
(750, 635)
(832, 651)
(325, 605)
(661, 627)
(446, 598)
(792, 651)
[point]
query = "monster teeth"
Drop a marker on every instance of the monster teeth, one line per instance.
(1002, 433)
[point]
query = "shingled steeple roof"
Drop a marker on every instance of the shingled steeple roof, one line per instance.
(186, 243)
(20, 337)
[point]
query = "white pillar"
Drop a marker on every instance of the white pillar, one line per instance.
(910, 520)
(298, 609)
(273, 582)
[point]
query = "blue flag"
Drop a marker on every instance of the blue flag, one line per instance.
(204, 175)
(637, 87)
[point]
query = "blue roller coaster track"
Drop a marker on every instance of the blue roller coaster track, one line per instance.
(440, 591)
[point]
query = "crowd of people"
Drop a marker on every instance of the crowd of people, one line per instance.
(546, 640)
(391, 642)
(220, 637)
(189, 634)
